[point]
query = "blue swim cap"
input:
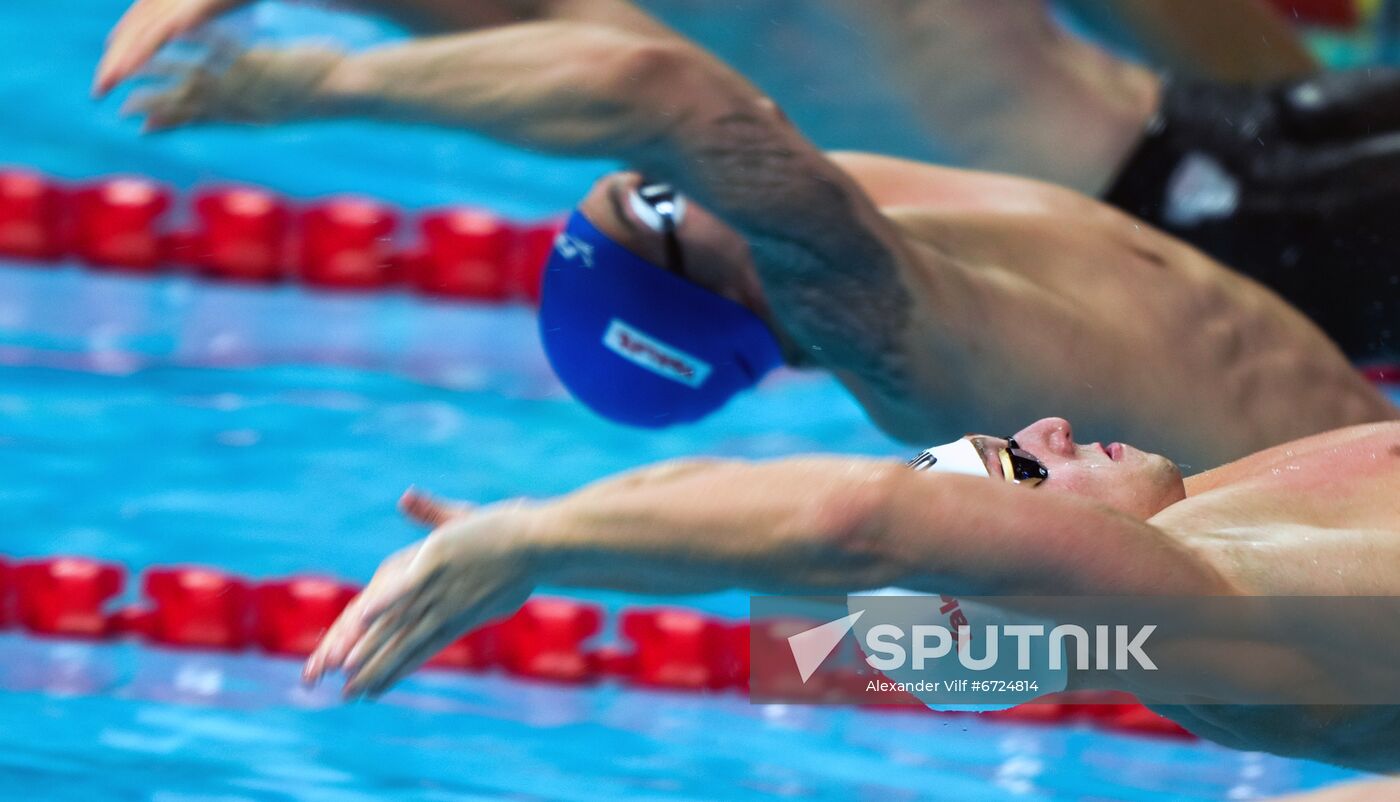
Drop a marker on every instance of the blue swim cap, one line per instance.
(640, 345)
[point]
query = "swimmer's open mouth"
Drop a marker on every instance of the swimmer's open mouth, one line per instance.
(1114, 451)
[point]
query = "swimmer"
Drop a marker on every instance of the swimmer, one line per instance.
(1277, 169)
(1242, 149)
(1049, 516)
(945, 300)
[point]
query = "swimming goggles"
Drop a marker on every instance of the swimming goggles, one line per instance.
(1018, 466)
(1021, 467)
(662, 209)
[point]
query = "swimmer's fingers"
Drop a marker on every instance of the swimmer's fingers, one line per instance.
(130, 38)
(168, 107)
(336, 643)
(383, 624)
(506, 601)
(409, 648)
(428, 511)
(146, 27)
(349, 638)
(167, 69)
(431, 632)
(410, 657)
(350, 626)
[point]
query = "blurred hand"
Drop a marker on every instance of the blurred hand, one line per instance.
(470, 570)
(146, 27)
(261, 85)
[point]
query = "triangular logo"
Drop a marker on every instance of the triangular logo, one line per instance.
(811, 648)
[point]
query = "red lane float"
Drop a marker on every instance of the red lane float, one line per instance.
(463, 255)
(292, 614)
(544, 640)
(1383, 374)
(197, 608)
(1138, 719)
(31, 216)
(613, 662)
(64, 596)
(475, 651)
(1326, 13)
(5, 593)
(737, 653)
(679, 649)
(242, 234)
(530, 251)
(116, 224)
(346, 244)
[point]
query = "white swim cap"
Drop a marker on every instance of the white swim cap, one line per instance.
(959, 456)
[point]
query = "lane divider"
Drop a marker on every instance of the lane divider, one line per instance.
(252, 235)
(549, 639)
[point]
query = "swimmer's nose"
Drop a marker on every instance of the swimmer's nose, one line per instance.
(1049, 435)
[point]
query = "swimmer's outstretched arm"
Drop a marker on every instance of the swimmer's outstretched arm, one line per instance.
(148, 25)
(834, 270)
(811, 525)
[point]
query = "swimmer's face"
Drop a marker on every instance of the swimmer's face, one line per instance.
(1118, 476)
(715, 256)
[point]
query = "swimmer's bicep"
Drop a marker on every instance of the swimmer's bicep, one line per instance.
(965, 535)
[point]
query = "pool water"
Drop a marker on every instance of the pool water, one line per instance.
(269, 432)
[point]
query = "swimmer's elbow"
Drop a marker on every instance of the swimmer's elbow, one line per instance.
(652, 61)
(667, 82)
(648, 73)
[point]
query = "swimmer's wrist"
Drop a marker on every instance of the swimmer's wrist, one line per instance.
(551, 539)
(348, 86)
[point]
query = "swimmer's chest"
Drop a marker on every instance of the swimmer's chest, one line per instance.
(1351, 481)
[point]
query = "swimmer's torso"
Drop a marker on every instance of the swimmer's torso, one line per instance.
(1326, 508)
(1317, 502)
(1079, 295)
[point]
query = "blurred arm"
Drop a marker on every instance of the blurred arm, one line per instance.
(148, 25)
(440, 16)
(833, 268)
(1235, 41)
(1001, 87)
(824, 525)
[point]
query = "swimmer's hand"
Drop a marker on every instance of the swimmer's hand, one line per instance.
(146, 27)
(261, 85)
(473, 568)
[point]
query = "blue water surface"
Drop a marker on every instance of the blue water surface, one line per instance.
(269, 432)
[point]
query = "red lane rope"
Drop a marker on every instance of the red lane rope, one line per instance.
(253, 235)
(185, 607)
(1342, 14)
